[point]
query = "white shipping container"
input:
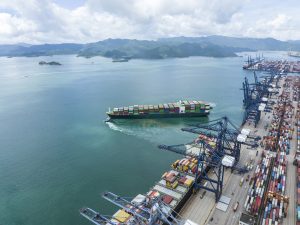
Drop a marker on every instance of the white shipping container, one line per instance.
(280, 213)
(168, 192)
(248, 208)
(251, 201)
(246, 202)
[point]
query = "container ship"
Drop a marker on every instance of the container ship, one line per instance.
(169, 110)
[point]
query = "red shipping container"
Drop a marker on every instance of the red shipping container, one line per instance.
(277, 213)
(258, 202)
(182, 180)
(167, 199)
(271, 214)
(194, 170)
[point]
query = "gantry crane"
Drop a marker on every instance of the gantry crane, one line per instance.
(224, 133)
(254, 93)
(96, 217)
(208, 160)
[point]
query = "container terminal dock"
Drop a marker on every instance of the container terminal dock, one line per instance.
(228, 174)
(274, 66)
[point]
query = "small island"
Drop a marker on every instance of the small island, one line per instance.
(52, 63)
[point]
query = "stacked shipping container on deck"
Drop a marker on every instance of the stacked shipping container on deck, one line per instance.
(189, 107)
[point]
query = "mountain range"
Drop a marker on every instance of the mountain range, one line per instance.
(213, 46)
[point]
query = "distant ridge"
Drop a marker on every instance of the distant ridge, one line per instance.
(212, 46)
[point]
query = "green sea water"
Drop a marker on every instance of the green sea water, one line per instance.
(56, 153)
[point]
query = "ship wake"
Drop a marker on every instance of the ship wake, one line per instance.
(120, 129)
(113, 126)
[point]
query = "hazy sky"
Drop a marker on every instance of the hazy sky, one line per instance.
(81, 21)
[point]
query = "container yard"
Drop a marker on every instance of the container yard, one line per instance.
(227, 174)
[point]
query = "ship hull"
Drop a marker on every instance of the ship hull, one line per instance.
(158, 115)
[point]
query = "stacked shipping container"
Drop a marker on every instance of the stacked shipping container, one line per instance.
(275, 206)
(258, 185)
(189, 107)
(186, 165)
(266, 194)
(297, 156)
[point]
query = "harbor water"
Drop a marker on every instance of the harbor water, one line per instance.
(56, 153)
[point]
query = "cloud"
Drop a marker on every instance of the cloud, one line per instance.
(43, 21)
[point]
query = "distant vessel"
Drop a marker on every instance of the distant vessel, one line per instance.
(52, 63)
(170, 110)
(122, 59)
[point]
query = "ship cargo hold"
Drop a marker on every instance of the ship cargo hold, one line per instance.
(169, 110)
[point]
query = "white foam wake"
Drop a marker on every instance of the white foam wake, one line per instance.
(113, 126)
(212, 104)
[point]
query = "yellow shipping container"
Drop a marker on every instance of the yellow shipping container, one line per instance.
(175, 164)
(192, 165)
(121, 216)
(185, 168)
(211, 143)
(188, 182)
(175, 184)
(164, 175)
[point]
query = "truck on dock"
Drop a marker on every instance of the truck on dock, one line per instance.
(203, 192)
(241, 181)
(235, 207)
